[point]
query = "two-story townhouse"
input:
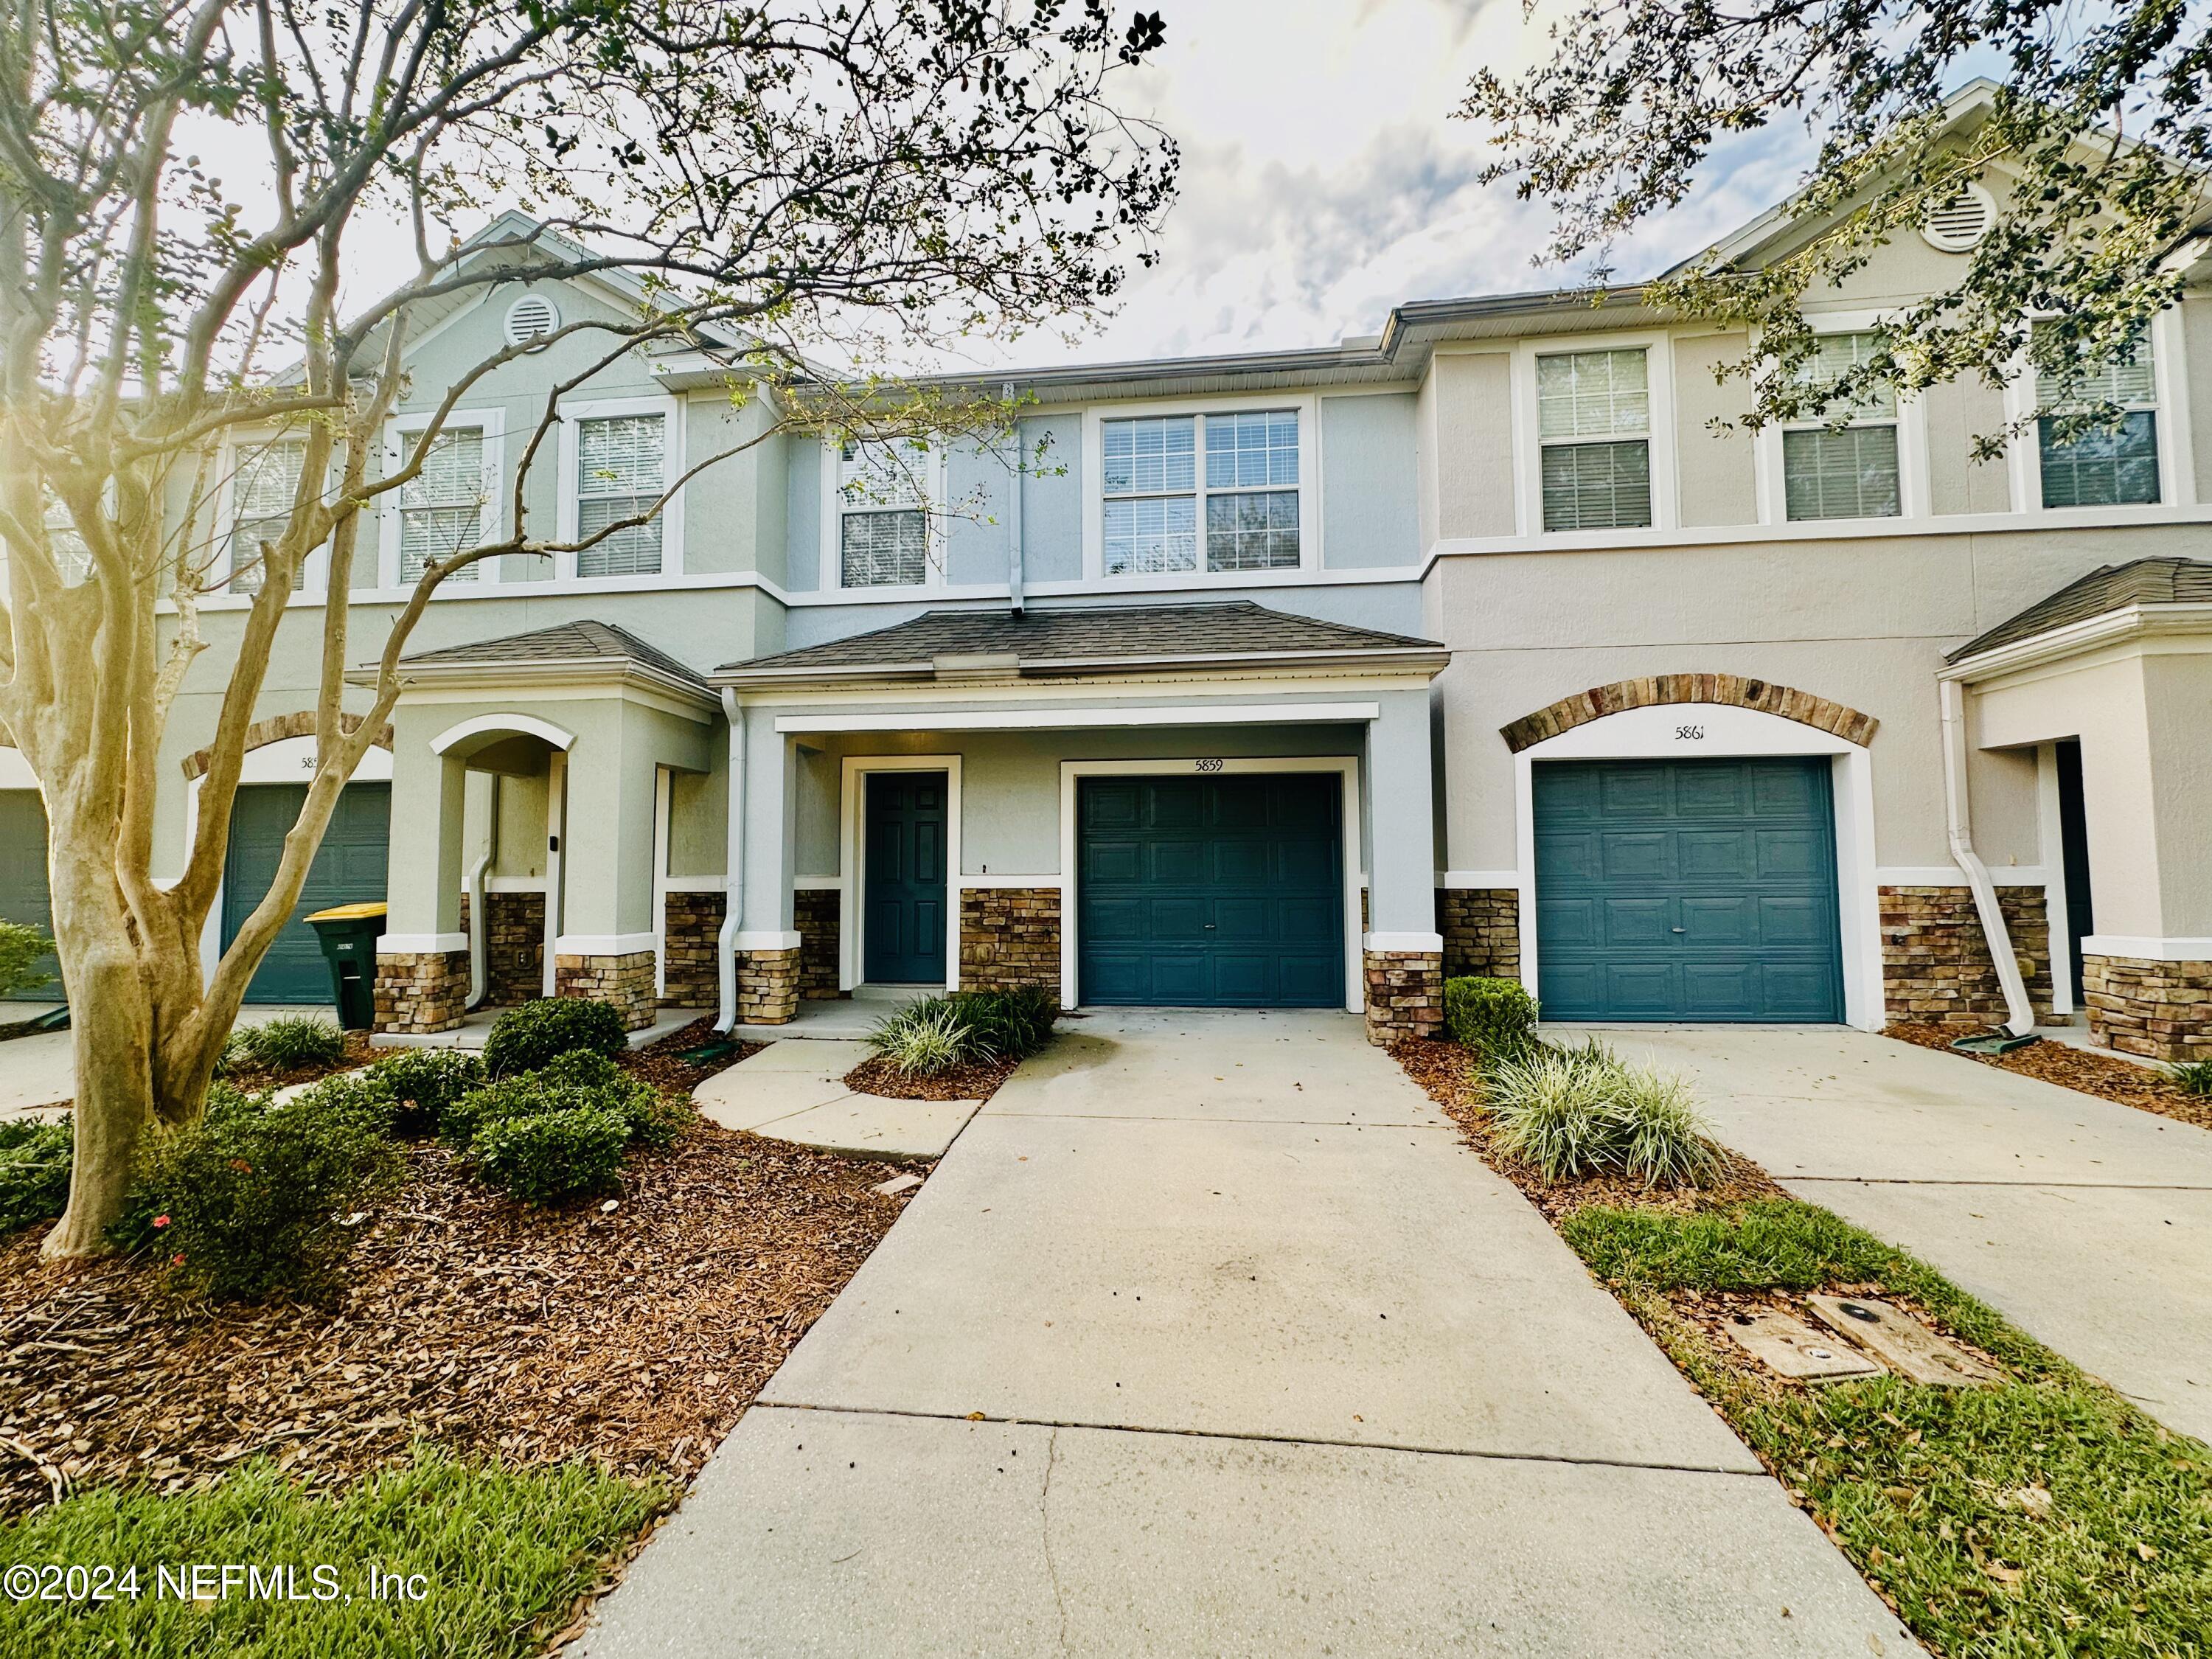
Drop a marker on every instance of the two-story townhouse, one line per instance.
(1491, 643)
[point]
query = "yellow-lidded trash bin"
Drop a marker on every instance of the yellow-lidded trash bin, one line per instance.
(348, 934)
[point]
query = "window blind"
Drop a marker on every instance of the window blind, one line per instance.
(620, 466)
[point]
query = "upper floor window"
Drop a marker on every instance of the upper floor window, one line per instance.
(1848, 472)
(884, 529)
(622, 461)
(1237, 473)
(262, 491)
(2114, 467)
(441, 509)
(1593, 427)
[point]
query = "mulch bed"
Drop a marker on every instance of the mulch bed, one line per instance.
(969, 1081)
(636, 1336)
(1452, 1077)
(2106, 1075)
(658, 1063)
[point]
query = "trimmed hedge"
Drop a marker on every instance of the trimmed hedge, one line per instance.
(422, 1083)
(1496, 1017)
(525, 1038)
(545, 1156)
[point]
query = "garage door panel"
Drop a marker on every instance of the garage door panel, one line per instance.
(24, 896)
(1234, 895)
(351, 867)
(1713, 896)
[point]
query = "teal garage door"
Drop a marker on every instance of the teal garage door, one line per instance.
(348, 869)
(23, 870)
(1699, 890)
(1223, 891)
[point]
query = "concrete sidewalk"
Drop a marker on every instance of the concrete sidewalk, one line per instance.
(2087, 1222)
(1209, 1336)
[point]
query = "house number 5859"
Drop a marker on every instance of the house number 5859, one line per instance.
(1689, 734)
(1209, 766)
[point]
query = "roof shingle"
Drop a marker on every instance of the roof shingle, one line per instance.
(570, 643)
(2107, 588)
(1098, 633)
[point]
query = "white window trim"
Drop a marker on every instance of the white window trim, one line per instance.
(853, 852)
(314, 577)
(1914, 497)
(1725, 730)
(1529, 446)
(492, 424)
(2024, 450)
(936, 530)
(1304, 405)
(1345, 766)
(670, 408)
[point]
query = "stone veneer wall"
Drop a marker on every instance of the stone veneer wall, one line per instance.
(818, 909)
(1936, 965)
(2161, 1010)
(767, 987)
(1405, 996)
(1481, 928)
(693, 923)
(422, 991)
(515, 968)
(1009, 939)
(625, 981)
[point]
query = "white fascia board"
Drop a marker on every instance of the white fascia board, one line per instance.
(1019, 720)
(605, 944)
(2147, 947)
(2112, 628)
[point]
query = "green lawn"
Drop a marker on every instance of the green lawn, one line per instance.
(498, 1551)
(2042, 1516)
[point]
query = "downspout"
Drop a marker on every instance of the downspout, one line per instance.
(479, 919)
(1014, 519)
(733, 882)
(2021, 1012)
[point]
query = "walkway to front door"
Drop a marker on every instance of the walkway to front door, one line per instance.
(1209, 1336)
(903, 932)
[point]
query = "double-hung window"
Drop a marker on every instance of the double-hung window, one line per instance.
(442, 507)
(1236, 474)
(1593, 427)
(2111, 467)
(621, 465)
(883, 538)
(1850, 471)
(263, 485)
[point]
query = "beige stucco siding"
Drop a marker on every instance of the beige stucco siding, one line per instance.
(1713, 449)
(1473, 396)
(1955, 415)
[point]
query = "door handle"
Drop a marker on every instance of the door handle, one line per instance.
(1209, 926)
(1678, 930)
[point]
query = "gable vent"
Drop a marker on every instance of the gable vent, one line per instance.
(1960, 222)
(530, 317)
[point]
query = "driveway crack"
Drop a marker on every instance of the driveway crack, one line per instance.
(1045, 1524)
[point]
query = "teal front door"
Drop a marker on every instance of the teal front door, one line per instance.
(903, 905)
(1211, 891)
(23, 874)
(348, 869)
(1697, 891)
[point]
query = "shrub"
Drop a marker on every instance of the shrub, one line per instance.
(521, 1096)
(523, 1039)
(545, 1156)
(654, 1119)
(289, 1044)
(250, 1200)
(34, 1170)
(579, 1068)
(923, 1039)
(1496, 1017)
(1006, 1025)
(1571, 1112)
(20, 947)
(422, 1083)
(2191, 1077)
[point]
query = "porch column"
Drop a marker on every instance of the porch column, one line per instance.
(422, 957)
(1403, 953)
(767, 943)
(607, 947)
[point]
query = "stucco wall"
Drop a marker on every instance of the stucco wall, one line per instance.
(1368, 482)
(1719, 483)
(1956, 414)
(1473, 395)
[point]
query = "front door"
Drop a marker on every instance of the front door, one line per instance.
(903, 877)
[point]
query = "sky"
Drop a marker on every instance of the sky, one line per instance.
(1324, 178)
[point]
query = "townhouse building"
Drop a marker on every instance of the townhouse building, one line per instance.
(1493, 643)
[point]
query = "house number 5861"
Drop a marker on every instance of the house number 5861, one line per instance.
(1689, 734)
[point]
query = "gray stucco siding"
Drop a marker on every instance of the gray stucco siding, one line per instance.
(1052, 498)
(1369, 481)
(802, 515)
(977, 485)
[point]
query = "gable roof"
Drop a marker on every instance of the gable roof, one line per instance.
(2108, 588)
(1107, 639)
(584, 649)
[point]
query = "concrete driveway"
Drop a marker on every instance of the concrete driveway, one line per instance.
(1208, 1336)
(2088, 1224)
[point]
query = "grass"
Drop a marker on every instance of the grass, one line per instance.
(2041, 1515)
(504, 1553)
(1572, 1113)
(2191, 1077)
